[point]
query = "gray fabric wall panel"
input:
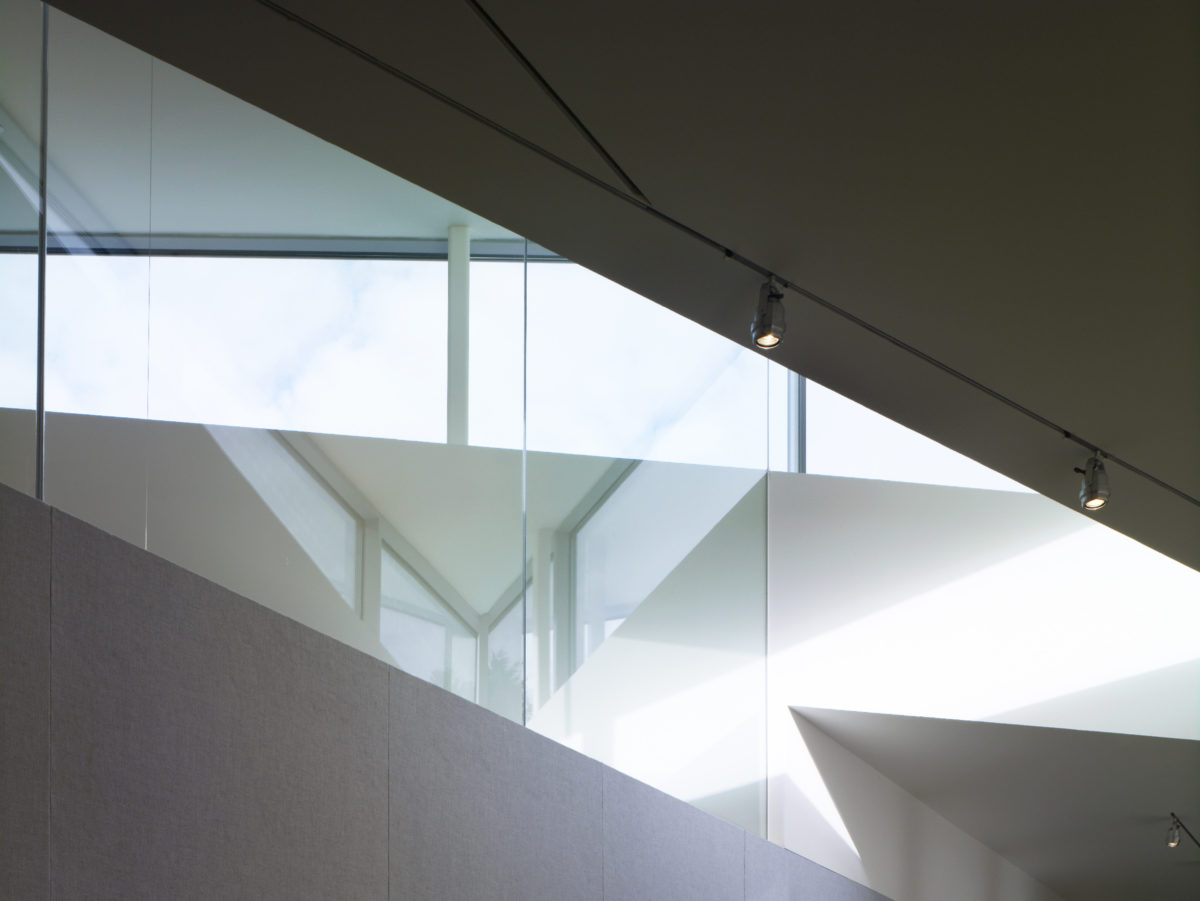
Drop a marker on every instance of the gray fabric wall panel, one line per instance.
(485, 809)
(161, 737)
(776, 874)
(203, 746)
(24, 696)
(659, 849)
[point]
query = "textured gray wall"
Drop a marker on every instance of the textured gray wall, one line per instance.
(204, 747)
(485, 809)
(24, 696)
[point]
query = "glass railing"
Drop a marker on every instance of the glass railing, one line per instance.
(20, 165)
(260, 351)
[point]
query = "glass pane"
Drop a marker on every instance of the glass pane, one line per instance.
(646, 606)
(506, 665)
(324, 527)
(453, 515)
(422, 633)
(350, 346)
(784, 436)
(496, 419)
(497, 369)
(613, 374)
(20, 129)
(18, 369)
(20, 52)
(296, 287)
(97, 278)
(847, 439)
(221, 277)
(96, 324)
(617, 565)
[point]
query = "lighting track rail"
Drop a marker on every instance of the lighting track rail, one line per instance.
(635, 198)
(566, 110)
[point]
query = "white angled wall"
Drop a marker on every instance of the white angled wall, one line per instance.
(675, 697)
(962, 604)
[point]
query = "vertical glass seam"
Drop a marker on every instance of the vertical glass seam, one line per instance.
(524, 475)
(765, 822)
(43, 129)
(149, 311)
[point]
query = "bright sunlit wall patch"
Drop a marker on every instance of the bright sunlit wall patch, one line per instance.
(1026, 630)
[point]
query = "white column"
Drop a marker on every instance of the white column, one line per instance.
(458, 258)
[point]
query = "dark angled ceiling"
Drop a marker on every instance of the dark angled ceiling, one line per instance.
(1009, 188)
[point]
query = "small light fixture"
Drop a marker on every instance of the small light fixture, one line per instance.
(768, 326)
(1093, 491)
(1178, 828)
(1173, 833)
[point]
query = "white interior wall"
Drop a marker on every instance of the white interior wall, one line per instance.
(956, 603)
(967, 604)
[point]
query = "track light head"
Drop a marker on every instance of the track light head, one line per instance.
(768, 325)
(1173, 833)
(1093, 491)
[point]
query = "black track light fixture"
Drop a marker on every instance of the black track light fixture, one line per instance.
(768, 325)
(1093, 490)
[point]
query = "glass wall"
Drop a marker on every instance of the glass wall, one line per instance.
(648, 443)
(249, 365)
(611, 374)
(98, 279)
(420, 630)
(20, 130)
(296, 343)
(285, 369)
(847, 439)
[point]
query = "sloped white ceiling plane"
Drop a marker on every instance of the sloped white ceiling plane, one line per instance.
(1084, 813)
(986, 212)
